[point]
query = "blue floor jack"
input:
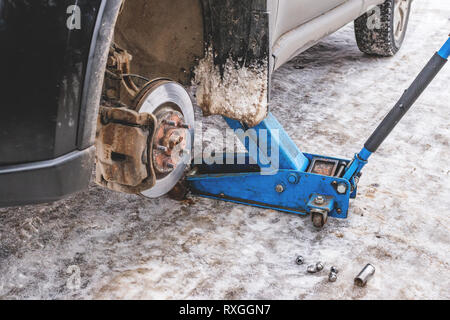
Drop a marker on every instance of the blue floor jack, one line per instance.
(299, 183)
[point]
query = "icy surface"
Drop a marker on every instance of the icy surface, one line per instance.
(329, 99)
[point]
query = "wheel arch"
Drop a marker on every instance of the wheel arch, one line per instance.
(171, 38)
(95, 71)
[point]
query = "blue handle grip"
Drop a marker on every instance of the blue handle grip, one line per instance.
(445, 50)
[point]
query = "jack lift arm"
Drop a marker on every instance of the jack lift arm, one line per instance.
(275, 174)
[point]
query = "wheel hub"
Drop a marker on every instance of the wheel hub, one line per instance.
(169, 141)
(401, 11)
(169, 102)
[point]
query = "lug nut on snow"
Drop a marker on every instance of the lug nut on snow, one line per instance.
(332, 277)
(299, 260)
(365, 275)
(313, 268)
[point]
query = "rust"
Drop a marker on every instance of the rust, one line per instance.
(324, 167)
(135, 149)
(118, 87)
(169, 141)
(180, 191)
(122, 157)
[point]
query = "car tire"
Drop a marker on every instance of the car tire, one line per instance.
(381, 31)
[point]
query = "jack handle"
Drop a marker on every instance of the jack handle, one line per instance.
(408, 98)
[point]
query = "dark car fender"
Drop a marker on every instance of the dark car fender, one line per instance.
(54, 67)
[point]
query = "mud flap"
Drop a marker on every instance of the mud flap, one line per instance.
(233, 78)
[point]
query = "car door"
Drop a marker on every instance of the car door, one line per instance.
(293, 13)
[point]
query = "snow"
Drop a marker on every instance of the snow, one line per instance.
(129, 247)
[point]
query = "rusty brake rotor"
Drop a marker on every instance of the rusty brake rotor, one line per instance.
(169, 102)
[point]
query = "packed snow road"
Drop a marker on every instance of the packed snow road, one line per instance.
(101, 244)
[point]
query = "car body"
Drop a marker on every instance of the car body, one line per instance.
(55, 53)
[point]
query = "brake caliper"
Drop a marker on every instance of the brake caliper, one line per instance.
(124, 148)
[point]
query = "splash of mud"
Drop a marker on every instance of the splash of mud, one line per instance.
(241, 93)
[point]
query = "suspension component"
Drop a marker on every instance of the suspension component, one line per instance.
(144, 133)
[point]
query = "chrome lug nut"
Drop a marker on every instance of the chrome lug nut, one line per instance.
(332, 277)
(312, 268)
(334, 270)
(299, 260)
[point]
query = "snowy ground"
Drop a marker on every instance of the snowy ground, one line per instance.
(121, 246)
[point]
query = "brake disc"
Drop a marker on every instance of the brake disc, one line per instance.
(172, 143)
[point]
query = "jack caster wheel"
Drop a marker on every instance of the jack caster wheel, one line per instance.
(319, 219)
